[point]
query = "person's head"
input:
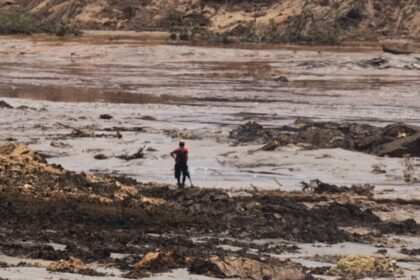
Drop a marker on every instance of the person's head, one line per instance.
(182, 144)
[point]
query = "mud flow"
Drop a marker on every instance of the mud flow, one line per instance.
(304, 161)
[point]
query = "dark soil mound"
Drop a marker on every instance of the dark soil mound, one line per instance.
(395, 140)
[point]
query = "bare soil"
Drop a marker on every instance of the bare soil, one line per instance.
(302, 20)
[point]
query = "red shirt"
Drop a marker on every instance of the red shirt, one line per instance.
(181, 155)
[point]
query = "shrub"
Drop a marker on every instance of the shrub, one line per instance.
(65, 27)
(17, 22)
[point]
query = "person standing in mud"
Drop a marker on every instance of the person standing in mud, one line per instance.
(181, 163)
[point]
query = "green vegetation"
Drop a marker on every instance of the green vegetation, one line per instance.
(17, 22)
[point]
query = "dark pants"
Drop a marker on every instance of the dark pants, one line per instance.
(181, 169)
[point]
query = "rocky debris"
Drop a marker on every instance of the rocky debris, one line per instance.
(20, 166)
(13, 153)
(250, 132)
(147, 118)
(77, 132)
(26, 108)
(281, 79)
(137, 155)
(377, 62)
(316, 186)
(396, 50)
(100, 157)
(106, 117)
(155, 224)
(395, 140)
(378, 169)
(406, 144)
(246, 268)
(358, 267)
(183, 134)
(410, 252)
(32, 251)
(5, 105)
(156, 262)
(59, 144)
(73, 265)
(119, 129)
(408, 226)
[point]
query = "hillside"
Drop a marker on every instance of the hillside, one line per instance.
(267, 20)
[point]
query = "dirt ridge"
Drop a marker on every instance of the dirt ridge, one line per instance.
(292, 20)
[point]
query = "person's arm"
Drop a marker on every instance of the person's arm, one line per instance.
(173, 154)
(186, 156)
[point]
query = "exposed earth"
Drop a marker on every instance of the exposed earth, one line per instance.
(288, 20)
(304, 160)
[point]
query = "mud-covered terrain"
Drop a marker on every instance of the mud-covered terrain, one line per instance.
(82, 118)
(157, 228)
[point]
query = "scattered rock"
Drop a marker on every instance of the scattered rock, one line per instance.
(73, 265)
(100, 157)
(105, 117)
(408, 226)
(94, 216)
(183, 134)
(377, 62)
(59, 144)
(246, 268)
(148, 118)
(378, 169)
(396, 50)
(5, 105)
(355, 267)
(155, 262)
(319, 187)
(281, 79)
(250, 132)
(25, 108)
(382, 251)
(410, 252)
(395, 140)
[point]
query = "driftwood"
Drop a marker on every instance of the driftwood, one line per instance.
(77, 132)
(136, 155)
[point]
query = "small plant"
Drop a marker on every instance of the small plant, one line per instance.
(17, 22)
(65, 27)
(174, 19)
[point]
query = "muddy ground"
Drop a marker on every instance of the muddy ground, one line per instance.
(158, 228)
(104, 111)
